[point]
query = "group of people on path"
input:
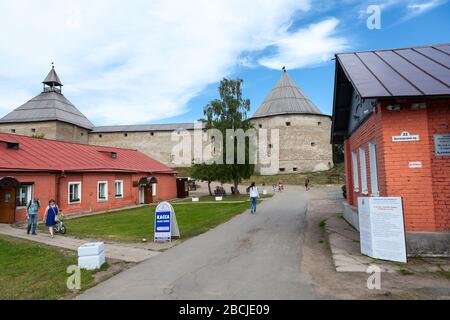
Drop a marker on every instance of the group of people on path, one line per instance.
(50, 216)
(253, 192)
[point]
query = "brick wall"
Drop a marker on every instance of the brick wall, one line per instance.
(45, 186)
(425, 190)
(439, 123)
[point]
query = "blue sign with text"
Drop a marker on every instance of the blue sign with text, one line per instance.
(162, 226)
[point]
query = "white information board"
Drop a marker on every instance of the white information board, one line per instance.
(166, 225)
(442, 145)
(382, 230)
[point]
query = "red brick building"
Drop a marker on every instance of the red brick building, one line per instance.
(81, 178)
(392, 113)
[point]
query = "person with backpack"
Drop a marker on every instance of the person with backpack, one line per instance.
(50, 216)
(33, 207)
(254, 195)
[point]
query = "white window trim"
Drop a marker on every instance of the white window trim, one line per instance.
(154, 190)
(121, 189)
(373, 169)
(68, 192)
(30, 195)
(98, 191)
(355, 171)
(363, 170)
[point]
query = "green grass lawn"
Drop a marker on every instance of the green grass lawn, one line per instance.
(133, 225)
(35, 271)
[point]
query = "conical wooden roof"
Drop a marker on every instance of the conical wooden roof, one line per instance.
(286, 98)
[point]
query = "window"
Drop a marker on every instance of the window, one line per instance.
(282, 169)
(24, 195)
(100, 135)
(355, 171)
(288, 124)
(125, 134)
(295, 169)
(74, 192)
(260, 126)
(13, 130)
(152, 134)
(319, 123)
(313, 144)
(82, 134)
(102, 191)
(362, 167)
(33, 130)
(373, 169)
(119, 188)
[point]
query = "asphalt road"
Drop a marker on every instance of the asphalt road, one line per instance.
(250, 257)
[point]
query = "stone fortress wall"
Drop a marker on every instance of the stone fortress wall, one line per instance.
(54, 130)
(304, 142)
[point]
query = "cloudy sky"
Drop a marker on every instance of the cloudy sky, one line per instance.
(141, 61)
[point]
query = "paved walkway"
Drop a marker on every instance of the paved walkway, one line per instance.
(113, 251)
(249, 257)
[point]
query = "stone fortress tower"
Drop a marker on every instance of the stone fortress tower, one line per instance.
(50, 115)
(304, 131)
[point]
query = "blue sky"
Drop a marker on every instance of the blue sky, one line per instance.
(160, 61)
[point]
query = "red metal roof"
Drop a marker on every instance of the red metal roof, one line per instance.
(49, 155)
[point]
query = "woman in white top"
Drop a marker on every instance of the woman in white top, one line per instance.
(254, 195)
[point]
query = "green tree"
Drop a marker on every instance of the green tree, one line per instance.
(205, 172)
(230, 112)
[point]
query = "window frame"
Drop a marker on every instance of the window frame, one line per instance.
(69, 184)
(355, 171)
(374, 185)
(363, 170)
(29, 194)
(98, 191)
(121, 189)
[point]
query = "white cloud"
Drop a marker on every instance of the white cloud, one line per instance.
(416, 9)
(137, 61)
(312, 45)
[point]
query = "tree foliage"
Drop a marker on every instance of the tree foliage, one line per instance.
(230, 112)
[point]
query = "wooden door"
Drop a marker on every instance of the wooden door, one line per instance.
(7, 204)
(148, 194)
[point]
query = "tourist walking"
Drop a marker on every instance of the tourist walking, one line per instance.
(254, 195)
(307, 183)
(51, 215)
(33, 207)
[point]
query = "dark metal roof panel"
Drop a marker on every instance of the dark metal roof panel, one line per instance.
(408, 72)
(436, 55)
(363, 80)
(427, 65)
(421, 80)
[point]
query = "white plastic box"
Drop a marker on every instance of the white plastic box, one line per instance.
(92, 262)
(219, 198)
(91, 256)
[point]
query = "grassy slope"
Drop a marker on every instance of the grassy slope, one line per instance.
(135, 224)
(35, 271)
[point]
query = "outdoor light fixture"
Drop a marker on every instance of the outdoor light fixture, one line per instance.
(418, 106)
(394, 107)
